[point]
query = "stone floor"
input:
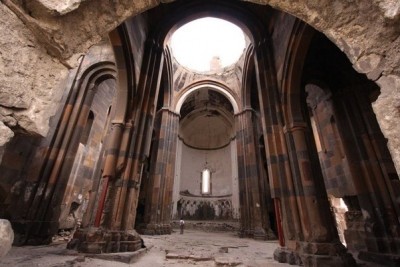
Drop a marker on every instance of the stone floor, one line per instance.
(193, 248)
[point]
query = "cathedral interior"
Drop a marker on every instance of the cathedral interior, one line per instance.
(286, 141)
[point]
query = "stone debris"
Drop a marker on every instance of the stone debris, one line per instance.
(224, 262)
(223, 249)
(6, 237)
(199, 251)
(176, 256)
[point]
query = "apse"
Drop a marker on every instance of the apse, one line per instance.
(206, 186)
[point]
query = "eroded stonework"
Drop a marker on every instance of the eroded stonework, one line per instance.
(29, 78)
(69, 29)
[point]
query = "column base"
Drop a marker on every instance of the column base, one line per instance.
(257, 234)
(355, 233)
(96, 241)
(380, 258)
(32, 233)
(315, 254)
(285, 255)
(155, 229)
(381, 250)
(245, 233)
(325, 254)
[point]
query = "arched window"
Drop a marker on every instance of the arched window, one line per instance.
(206, 182)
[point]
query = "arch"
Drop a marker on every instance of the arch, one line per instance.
(343, 23)
(52, 183)
(120, 42)
(225, 10)
(296, 52)
(207, 84)
(315, 15)
(248, 70)
(168, 77)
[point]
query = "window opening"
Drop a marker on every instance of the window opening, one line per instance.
(206, 182)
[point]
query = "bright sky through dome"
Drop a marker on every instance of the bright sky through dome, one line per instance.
(195, 43)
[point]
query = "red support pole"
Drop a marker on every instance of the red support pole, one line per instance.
(102, 200)
(278, 218)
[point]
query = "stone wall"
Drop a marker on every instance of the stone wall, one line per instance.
(209, 209)
(87, 160)
(218, 161)
(334, 163)
(224, 183)
(26, 157)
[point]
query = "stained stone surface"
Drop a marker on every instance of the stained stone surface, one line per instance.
(6, 237)
(6, 133)
(29, 78)
(387, 110)
(367, 31)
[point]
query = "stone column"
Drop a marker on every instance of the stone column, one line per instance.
(249, 190)
(159, 191)
(118, 188)
(45, 208)
(123, 179)
(319, 245)
(279, 172)
(309, 232)
(143, 132)
(373, 173)
(172, 139)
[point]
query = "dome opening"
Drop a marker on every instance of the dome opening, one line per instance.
(208, 44)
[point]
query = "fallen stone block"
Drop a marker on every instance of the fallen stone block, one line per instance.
(225, 262)
(6, 237)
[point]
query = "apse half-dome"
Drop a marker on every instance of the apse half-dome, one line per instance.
(207, 120)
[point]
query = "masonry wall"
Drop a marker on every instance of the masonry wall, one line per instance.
(222, 202)
(88, 159)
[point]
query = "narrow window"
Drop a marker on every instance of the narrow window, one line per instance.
(206, 182)
(88, 127)
(316, 134)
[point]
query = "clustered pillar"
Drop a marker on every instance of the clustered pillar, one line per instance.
(374, 176)
(251, 223)
(126, 156)
(158, 206)
(309, 233)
